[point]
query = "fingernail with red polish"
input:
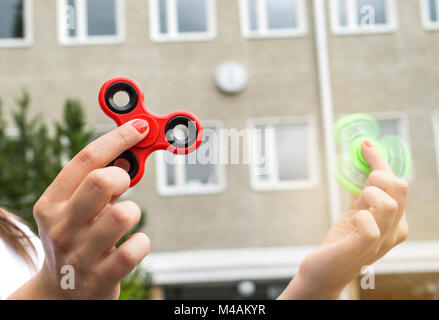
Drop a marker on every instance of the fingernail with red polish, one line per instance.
(367, 143)
(140, 125)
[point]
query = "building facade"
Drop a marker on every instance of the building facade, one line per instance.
(307, 63)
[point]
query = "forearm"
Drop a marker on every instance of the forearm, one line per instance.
(299, 289)
(35, 289)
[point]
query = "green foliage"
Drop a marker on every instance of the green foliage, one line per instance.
(134, 229)
(73, 127)
(32, 155)
(136, 286)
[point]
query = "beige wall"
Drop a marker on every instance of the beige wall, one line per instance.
(370, 73)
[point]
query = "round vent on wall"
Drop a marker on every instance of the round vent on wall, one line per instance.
(231, 77)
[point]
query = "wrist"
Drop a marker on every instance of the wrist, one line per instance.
(301, 288)
(45, 287)
(37, 288)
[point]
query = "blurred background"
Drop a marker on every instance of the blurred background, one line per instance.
(288, 67)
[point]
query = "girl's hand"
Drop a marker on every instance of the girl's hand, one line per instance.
(374, 224)
(79, 226)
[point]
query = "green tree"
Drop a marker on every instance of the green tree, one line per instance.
(31, 156)
(133, 286)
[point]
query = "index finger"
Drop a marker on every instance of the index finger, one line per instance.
(97, 154)
(374, 157)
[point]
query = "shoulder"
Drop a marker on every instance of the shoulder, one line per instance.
(14, 272)
(35, 241)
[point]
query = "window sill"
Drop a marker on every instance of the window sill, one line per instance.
(431, 26)
(98, 41)
(196, 37)
(188, 191)
(15, 43)
(365, 31)
(274, 34)
(284, 186)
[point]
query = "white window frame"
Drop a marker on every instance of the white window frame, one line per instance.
(353, 28)
(274, 184)
(173, 35)
(425, 15)
(404, 128)
(435, 119)
(181, 188)
(263, 31)
(82, 37)
(27, 40)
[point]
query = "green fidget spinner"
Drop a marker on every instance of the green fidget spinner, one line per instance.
(352, 168)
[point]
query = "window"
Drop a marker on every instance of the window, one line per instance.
(199, 172)
(395, 123)
(363, 16)
(91, 21)
(436, 135)
(430, 14)
(283, 154)
(272, 18)
(182, 20)
(15, 23)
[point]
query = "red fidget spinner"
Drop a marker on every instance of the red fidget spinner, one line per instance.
(161, 134)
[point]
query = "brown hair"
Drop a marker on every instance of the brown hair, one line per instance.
(16, 238)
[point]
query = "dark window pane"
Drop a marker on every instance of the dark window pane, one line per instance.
(101, 17)
(201, 174)
(342, 15)
(170, 173)
(71, 21)
(261, 154)
(375, 8)
(11, 19)
(292, 145)
(282, 14)
(252, 15)
(432, 10)
(206, 171)
(391, 126)
(163, 16)
(192, 15)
